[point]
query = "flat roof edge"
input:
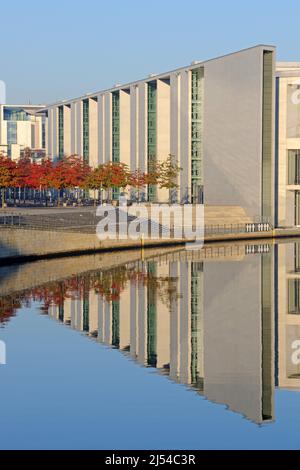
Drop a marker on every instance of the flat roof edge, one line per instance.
(156, 76)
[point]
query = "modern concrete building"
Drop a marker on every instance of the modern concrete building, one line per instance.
(167, 316)
(287, 153)
(215, 117)
(20, 128)
(287, 278)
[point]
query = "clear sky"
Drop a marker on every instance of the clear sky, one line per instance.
(56, 49)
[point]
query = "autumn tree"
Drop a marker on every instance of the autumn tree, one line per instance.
(168, 171)
(137, 180)
(68, 173)
(94, 180)
(115, 175)
(40, 176)
(23, 172)
(7, 176)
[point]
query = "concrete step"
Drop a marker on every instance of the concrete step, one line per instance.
(226, 215)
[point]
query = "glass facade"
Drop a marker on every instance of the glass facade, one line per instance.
(115, 134)
(151, 319)
(116, 126)
(61, 132)
(11, 133)
(116, 323)
(196, 308)
(152, 135)
(15, 114)
(294, 167)
(61, 312)
(294, 296)
(197, 135)
(43, 132)
(85, 130)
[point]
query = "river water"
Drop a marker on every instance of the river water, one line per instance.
(156, 350)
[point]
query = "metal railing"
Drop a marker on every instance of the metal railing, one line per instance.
(87, 222)
(248, 227)
(80, 222)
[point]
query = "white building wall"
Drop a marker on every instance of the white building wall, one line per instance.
(232, 134)
(143, 134)
(101, 133)
(79, 145)
(73, 128)
(163, 129)
(108, 127)
(185, 134)
(55, 132)
(175, 117)
(125, 126)
(233, 104)
(134, 127)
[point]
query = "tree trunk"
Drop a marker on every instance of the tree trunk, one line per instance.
(3, 197)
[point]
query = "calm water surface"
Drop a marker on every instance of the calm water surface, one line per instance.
(178, 350)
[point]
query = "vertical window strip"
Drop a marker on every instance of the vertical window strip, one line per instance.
(197, 78)
(152, 135)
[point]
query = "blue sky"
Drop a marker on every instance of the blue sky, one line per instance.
(78, 394)
(61, 49)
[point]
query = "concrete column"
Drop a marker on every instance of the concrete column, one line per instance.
(133, 322)
(50, 133)
(125, 318)
(134, 128)
(163, 128)
(93, 311)
(185, 133)
(79, 144)
(67, 311)
(108, 126)
(125, 127)
(142, 324)
(175, 116)
(163, 323)
(142, 125)
(174, 328)
(55, 132)
(74, 128)
(67, 131)
(107, 323)
(101, 134)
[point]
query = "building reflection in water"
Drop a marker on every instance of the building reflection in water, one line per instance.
(223, 321)
(287, 314)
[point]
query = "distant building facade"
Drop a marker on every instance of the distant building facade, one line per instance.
(287, 146)
(21, 128)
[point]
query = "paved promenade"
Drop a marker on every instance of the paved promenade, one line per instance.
(35, 233)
